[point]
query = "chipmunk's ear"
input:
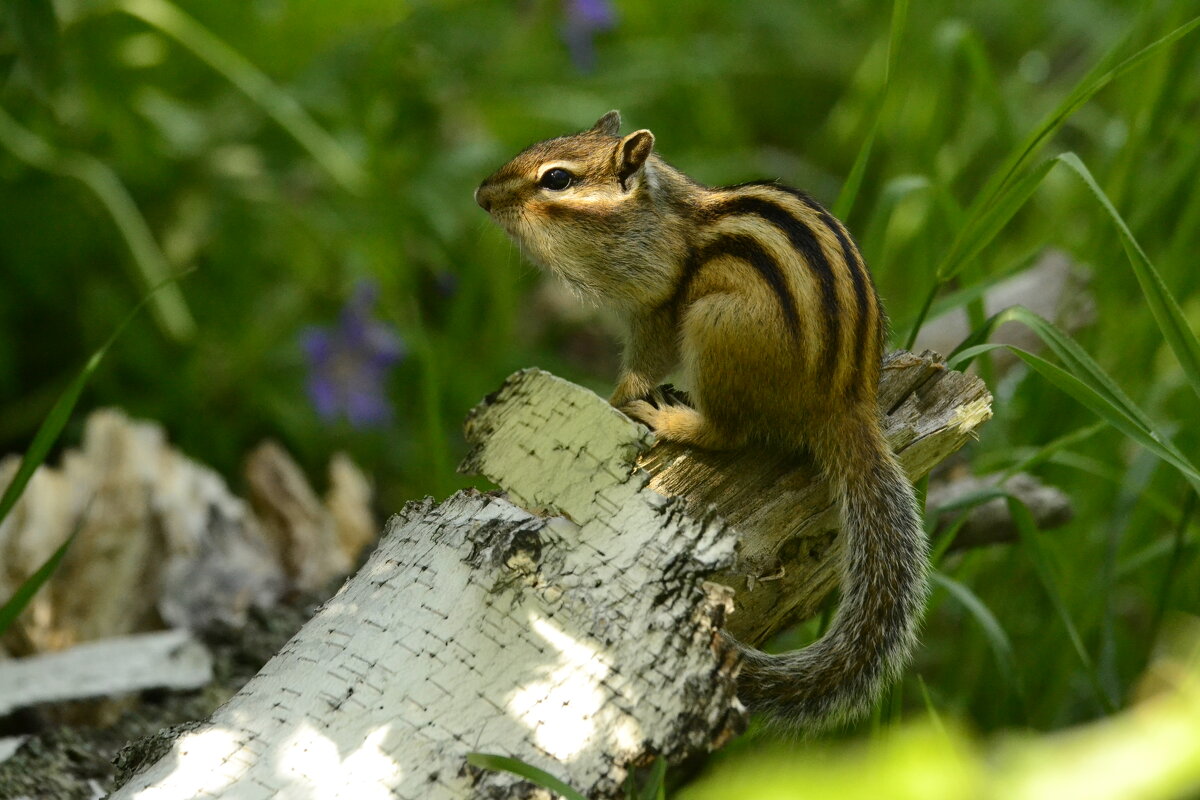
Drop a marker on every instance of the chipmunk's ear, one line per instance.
(609, 124)
(632, 153)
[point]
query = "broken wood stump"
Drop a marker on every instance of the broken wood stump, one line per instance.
(781, 506)
(572, 624)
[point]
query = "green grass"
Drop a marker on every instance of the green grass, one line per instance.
(288, 152)
(43, 441)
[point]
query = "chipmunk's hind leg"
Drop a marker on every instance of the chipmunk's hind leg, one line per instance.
(743, 373)
(682, 424)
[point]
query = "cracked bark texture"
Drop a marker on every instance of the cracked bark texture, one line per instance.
(583, 642)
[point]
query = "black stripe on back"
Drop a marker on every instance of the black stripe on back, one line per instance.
(866, 324)
(805, 242)
(858, 270)
(869, 329)
(748, 250)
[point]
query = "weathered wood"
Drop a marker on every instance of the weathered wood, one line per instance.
(991, 522)
(120, 665)
(149, 517)
(780, 505)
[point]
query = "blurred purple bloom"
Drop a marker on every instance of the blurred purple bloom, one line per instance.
(348, 363)
(583, 20)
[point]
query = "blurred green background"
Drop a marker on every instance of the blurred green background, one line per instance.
(294, 157)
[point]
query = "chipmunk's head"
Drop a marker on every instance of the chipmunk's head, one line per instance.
(590, 208)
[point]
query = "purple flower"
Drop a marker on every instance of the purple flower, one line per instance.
(348, 363)
(583, 20)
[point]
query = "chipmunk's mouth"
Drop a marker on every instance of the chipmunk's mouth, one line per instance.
(509, 219)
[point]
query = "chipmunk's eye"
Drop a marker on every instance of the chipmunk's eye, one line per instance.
(556, 179)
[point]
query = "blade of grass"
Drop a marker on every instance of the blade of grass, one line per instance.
(984, 228)
(965, 41)
(934, 716)
(893, 193)
(895, 37)
(1074, 357)
(895, 709)
(1166, 311)
(1052, 448)
(922, 312)
(1167, 509)
(993, 631)
(1084, 91)
(1031, 542)
(977, 289)
(278, 104)
(1113, 531)
(1157, 76)
(946, 540)
(523, 770)
(47, 433)
(1178, 543)
(656, 783)
(1080, 365)
(1163, 548)
(1171, 322)
(989, 223)
(965, 503)
(170, 308)
(980, 210)
(849, 193)
(853, 184)
(978, 497)
(29, 587)
(1097, 403)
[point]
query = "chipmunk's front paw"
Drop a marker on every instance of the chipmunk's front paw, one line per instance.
(629, 389)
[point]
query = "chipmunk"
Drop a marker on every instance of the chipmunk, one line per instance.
(763, 300)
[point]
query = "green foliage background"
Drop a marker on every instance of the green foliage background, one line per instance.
(284, 152)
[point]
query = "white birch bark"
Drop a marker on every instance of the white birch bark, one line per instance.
(582, 643)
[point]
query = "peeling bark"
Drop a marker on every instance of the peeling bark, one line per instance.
(584, 643)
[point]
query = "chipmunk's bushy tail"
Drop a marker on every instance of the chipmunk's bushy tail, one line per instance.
(884, 580)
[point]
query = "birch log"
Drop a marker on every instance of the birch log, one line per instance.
(571, 625)
(583, 643)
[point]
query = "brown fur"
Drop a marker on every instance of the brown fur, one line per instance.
(763, 300)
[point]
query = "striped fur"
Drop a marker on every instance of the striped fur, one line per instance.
(762, 299)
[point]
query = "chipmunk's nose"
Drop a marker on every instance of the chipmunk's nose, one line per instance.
(485, 195)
